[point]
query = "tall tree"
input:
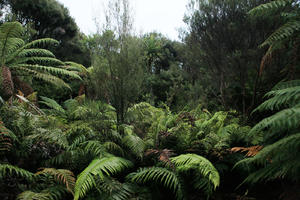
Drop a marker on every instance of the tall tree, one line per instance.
(117, 60)
(224, 43)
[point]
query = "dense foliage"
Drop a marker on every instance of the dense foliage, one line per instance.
(215, 116)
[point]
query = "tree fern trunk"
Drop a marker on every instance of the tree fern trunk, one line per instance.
(21, 85)
(6, 83)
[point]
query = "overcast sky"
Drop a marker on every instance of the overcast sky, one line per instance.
(163, 16)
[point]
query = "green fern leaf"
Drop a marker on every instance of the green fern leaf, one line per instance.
(203, 166)
(99, 167)
(158, 175)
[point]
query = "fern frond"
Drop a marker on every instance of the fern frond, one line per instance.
(11, 30)
(158, 175)
(135, 144)
(66, 177)
(287, 119)
(286, 84)
(51, 103)
(280, 98)
(261, 9)
(99, 167)
(73, 66)
(52, 70)
(30, 45)
(29, 195)
(114, 148)
(11, 170)
(45, 77)
(283, 32)
(39, 60)
(6, 138)
(186, 162)
(278, 160)
(36, 52)
(111, 189)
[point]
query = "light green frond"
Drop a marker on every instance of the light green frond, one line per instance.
(11, 45)
(29, 195)
(63, 176)
(52, 70)
(32, 45)
(98, 167)
(41, 61)
(11, 30)
(135, 144)
(283, 32)
(263, 8)
(158, 175)
(40, 42)
(7, 170)
(36, 52)
(43, 76)
(72, 66)
(202, 165)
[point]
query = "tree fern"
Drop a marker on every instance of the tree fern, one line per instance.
(23, 59)
(158, 175)
(100, 168)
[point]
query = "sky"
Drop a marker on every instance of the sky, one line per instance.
(164, 16)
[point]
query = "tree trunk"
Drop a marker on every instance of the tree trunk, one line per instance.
(6, 83)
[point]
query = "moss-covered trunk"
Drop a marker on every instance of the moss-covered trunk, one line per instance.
(6, 83)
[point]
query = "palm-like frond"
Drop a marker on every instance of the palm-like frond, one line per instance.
(202, 165)
(66, 177)
(158, 175)
(11, 170)
(100, 168)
